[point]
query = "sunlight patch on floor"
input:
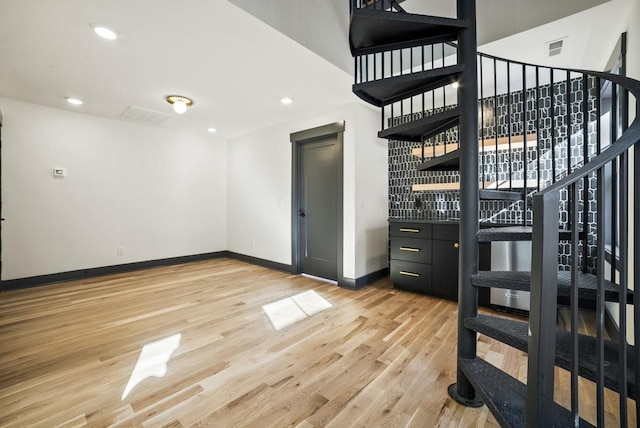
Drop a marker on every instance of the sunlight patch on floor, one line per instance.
(290, 310)
(152, 361)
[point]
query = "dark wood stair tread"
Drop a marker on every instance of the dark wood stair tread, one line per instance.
(378, 30)
(447, 162)
(423, 128)
(505, 396)
(513, 233)
(395, 88)
(500, 195)
(515, 334)
(587, 284)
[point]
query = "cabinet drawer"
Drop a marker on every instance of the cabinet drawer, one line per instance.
(410, 230)
(446, 232)
(411, 249)
(411, 276)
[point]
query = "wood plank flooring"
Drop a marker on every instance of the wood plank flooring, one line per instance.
(377, 357)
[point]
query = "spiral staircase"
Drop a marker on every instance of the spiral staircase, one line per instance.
(562, 145)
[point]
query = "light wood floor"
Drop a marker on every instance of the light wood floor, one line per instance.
(377, 357)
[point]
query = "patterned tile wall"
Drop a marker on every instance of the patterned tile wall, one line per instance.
(554, 152)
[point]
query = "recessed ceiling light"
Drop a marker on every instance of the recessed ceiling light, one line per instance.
(212, 130)
(74, 101)
(104, 31)
(286, 100)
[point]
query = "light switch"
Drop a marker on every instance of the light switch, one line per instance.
(59, 172)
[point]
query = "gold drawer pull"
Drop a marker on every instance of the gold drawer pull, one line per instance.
(405, 273)
(409, 230)
(413, 250)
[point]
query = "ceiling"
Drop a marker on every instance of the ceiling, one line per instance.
(502, 18)
(235, 66)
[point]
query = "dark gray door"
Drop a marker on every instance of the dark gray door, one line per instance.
(318, 208)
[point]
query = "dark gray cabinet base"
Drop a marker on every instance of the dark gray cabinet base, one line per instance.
(424, 257)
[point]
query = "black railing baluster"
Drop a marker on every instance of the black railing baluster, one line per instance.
(433, 58)
(481, 59)
(509, 125)
(614, 182)
(411, 60)
(568, 119)
(623, 227)
(538, 136)
(423, 58)
(574, 303)
(375, 68)
(355, 68)
(585, 159)
(525, 160)
(495, 119)
(600, 257)
(598, 116)
(401, 62)
(553, 128)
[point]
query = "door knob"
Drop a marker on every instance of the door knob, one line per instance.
(301, 213)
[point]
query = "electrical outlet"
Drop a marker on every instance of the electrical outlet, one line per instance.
(120, 251)
(252, 243)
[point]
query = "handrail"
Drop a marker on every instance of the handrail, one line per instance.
(544, 262)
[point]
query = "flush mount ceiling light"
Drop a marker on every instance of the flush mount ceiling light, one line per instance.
(212, 130)
(286, 100)
(104, 31)
(74, 101)
(179, 103)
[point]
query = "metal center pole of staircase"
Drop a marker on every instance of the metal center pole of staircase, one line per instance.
(462, 391)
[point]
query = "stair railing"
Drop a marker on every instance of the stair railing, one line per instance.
(608, 174)
(580, 164)
(388, 5)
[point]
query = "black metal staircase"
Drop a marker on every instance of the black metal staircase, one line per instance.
(571, 187)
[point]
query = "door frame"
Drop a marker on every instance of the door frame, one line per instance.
(298, 140)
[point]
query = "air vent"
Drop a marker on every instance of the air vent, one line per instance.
(555, 48)
(144, 116)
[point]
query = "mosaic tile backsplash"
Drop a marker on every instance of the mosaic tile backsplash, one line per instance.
(558, 152)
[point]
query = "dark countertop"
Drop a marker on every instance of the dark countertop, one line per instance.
(423, 221)
(455, 221)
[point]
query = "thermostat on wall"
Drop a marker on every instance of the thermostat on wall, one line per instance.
(59, 172)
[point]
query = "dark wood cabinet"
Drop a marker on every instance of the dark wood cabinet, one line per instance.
(410, 250)
(445, 275)
(424, 257)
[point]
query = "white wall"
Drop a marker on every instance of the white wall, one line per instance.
(590, 36)
(259, 177)
(154, 192)
(371, 196)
